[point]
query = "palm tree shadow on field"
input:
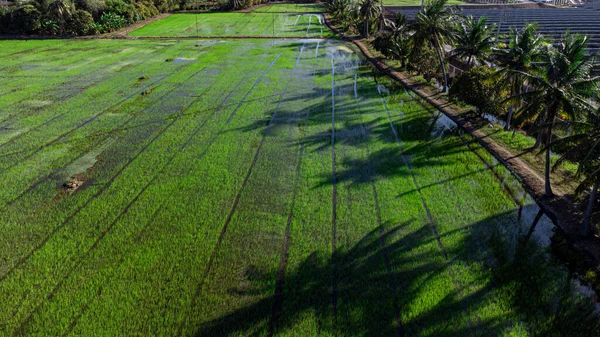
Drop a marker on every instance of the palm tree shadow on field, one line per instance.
(389, 269)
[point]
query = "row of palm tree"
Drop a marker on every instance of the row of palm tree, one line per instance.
(552, 87)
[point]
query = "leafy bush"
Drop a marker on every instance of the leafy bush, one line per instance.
(111, 22)
(49, 27)
(79, 23)
(122, 9)
(25, 19)
(145, 10)
(478, 88)
(426, 63)
(94, 7)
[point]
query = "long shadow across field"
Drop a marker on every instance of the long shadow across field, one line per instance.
(537, 292)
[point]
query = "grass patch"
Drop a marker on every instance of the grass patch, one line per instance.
(237, 24)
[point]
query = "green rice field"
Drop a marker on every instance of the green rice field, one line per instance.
(291, 8)
(255, 187)
(237, 24)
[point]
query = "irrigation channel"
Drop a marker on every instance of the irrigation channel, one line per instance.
(254, 186)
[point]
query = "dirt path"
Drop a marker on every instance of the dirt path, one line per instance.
(561, 209)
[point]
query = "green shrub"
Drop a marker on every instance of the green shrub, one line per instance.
(120, 8)
(49, 27)
(94, 7)
(4, 19)
(79, 23)
(426, 63)
(111, 22)
(478, 88)
(25, 19)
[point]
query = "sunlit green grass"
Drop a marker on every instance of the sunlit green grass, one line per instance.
(291, 8)
(237, 24)
(248, 187)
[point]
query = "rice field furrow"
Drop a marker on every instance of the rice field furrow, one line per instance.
(86, 79)
(54, 118)
(122, 127)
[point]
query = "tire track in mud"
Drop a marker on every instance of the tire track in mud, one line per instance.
(384, 251)
(211, 259)
(121, 127)
(280, 277)
(334, 281)
(107, 184)
(414, 180)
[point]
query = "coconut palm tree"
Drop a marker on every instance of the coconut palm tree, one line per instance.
(368, 11)
(563, 89)
(435, 25)
(525, 47)
(393, 41)
(61, 9)
(583, 147)
(474, 40)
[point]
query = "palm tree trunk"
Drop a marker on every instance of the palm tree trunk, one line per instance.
(511, 108)
(441, 58)
(538, 216)
(509, 118)
(547, 183)
(585, 226)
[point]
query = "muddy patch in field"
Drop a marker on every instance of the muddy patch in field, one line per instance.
(184, 59)
(36, 104)
(76, 175)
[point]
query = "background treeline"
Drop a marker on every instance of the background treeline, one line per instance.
(90, 17)
(81, 17)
